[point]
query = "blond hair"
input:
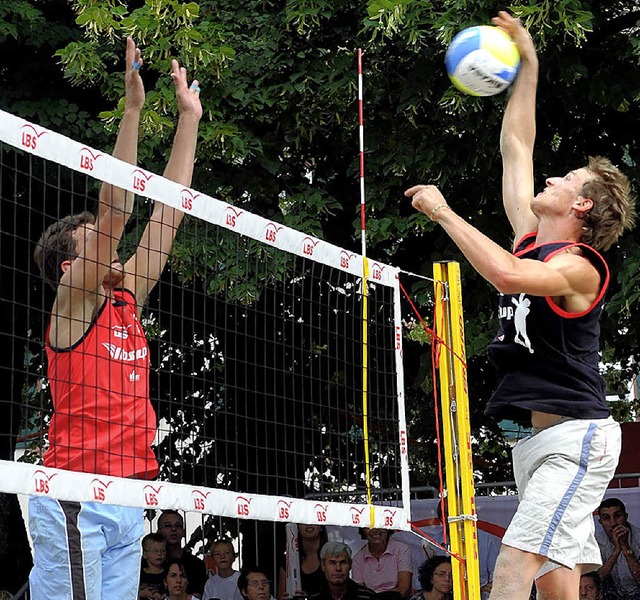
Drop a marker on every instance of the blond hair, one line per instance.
(613, 204)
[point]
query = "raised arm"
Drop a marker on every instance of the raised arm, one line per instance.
(519, 132)
(81, 286)
(115, 205)
(145, 267)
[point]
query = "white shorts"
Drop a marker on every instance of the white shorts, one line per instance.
(562, 473)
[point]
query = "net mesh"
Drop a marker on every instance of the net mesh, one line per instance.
(257, 343)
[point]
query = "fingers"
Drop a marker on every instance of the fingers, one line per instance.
(176, 72)
(507, 22)
(504, 18)
(412, 191)
(179, 76)
(133, 56)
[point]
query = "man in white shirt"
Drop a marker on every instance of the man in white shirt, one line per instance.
(619, 543)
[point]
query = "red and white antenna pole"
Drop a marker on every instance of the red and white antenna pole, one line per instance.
(361, 131)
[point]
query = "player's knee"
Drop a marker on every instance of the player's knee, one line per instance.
(514, 564)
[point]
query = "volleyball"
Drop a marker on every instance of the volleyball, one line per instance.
(482, 60)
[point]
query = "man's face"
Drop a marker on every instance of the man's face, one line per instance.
(155, 553)
(258, 587)
(588, 589)
(172, 528)
(612, 517)
(223, 556)
(336, 568)
(561, 193)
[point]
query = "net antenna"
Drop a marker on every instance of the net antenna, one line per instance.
(365, 293)
(363, 223)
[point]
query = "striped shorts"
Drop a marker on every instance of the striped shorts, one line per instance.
(562, 473)
(84, 551)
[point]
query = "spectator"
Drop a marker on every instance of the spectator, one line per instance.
(254, 584)
(98, 364)
(383, 564)
(176, 581)
(154, 554)
(619, 543)
(590, 586)
(311, 538)
(335, 561)
(171, 526)
(223, 584)
(435, 578)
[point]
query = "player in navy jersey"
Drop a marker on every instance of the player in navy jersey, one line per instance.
(546, 352)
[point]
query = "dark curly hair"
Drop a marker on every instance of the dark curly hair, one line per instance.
(427, 569)
(243, 578)
(595, 578)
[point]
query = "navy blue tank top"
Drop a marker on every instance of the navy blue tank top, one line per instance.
(548, 359)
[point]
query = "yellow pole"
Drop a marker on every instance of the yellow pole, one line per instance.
(454, 399)
(365, 386)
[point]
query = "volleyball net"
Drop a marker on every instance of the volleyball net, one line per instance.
(276, 357)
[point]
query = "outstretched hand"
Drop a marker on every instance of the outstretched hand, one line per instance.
(427, 199)
(516, 30)
(188, 96)
(134, 88)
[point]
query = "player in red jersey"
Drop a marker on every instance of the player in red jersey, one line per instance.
(98, 364)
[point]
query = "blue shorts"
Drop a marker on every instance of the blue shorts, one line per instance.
(84, 550)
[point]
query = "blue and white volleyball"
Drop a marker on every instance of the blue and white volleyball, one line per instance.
(482, 60)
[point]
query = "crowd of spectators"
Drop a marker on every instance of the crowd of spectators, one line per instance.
(383, 568)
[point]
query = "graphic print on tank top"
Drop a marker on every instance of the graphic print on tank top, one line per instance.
(520, 321)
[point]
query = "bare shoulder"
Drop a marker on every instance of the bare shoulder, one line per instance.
(582, 277)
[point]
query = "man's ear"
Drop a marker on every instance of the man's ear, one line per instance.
(582, 206)
(64, 265)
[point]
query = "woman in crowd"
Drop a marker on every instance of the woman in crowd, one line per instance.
(253, 584)
(311, 538)
(590, 586)
(435, 579)
(176, 581)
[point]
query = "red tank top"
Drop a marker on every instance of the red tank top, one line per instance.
(103, 421)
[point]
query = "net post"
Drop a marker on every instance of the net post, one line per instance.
(449, 325)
